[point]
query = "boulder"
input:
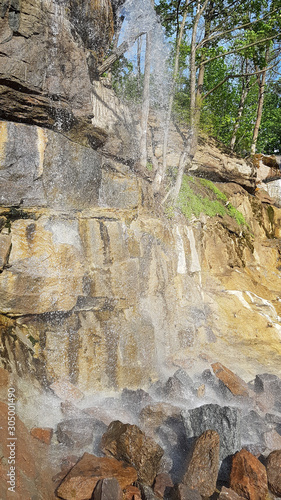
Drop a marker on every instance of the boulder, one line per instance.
(79, 432)
(235, 384)
(223, 419)
(269, 384)
(134, 401)
(154, 415)
(273, 469)
(164, 422)
(107, 489)
(248, 476)
(272, 440)
(147, 492)
(80, 482)
(203, 467)
(180, 385)
(128, 443)
(253, 426)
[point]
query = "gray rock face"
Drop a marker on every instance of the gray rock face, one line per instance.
(44, 68)
(223, 419)
(270, 385)
(80, 432)
(41, 168)
(253, 427)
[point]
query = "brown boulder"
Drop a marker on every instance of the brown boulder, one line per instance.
(127, 442)
(80, 482)
(248, 476)
(273, 469)
(203, 467)
(235, 384)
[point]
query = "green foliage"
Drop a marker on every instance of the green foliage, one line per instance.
(269, 138)
(126, 83)
(210, 185)
(201, 196)
(235, 214)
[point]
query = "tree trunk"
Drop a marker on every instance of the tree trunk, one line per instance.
(245, 91)
(139, 61)
(191, 146)
(261, 82)
(160, 174)
(145, 102)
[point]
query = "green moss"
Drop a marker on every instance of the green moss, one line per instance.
(235, 214)
(149, 166)
(201, 196)
(209, 184)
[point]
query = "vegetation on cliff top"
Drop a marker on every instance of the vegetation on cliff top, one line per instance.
(223, 69)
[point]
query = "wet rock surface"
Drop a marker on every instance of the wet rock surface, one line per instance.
(203, 467)
(218, 418)
(82, 479)
(273, 468)
(128, 443)
(248, 476)
(193, 462)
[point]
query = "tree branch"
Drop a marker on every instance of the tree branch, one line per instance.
(117, 54)
(240, 75)
(238, 49)
(250, 23)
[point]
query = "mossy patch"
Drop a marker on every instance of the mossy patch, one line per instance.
(201, 196)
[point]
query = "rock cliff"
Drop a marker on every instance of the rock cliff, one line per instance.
(89, 266)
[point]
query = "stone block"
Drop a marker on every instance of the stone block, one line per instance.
(223, 419)
(248, 476)
(128, 443)
(235, 384)
(80, 482)
(203, 466)
(273, 469)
